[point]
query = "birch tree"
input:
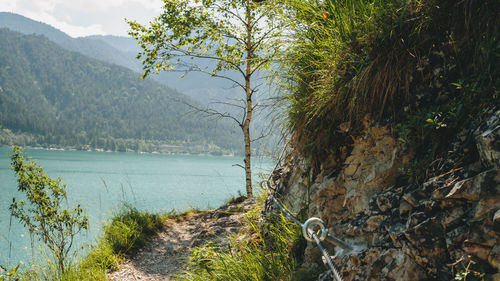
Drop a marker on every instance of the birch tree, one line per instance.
(240, 37)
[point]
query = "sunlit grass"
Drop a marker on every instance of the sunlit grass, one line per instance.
(127, 232)
(263, 250)
(357, 59)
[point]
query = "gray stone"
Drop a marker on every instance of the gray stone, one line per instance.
(475, 188)
(488, 142)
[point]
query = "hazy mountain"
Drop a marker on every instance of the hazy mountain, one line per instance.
(93, 48)
(48, 90)
(199, 86)
(122, 51)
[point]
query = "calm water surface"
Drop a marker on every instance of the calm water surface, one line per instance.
(101, 182)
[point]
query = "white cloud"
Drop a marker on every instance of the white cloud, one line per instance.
(85, 17)
(77, 31)
(8, 5)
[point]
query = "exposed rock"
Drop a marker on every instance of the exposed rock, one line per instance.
(292, 185)
(473, 189)
(488, 141)
(391, 264)
(494, 257)
(409, 231)
(371, 166)
(373, 223)
(496, 220)
(427, 246)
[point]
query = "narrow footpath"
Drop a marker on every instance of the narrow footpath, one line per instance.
(165, 256)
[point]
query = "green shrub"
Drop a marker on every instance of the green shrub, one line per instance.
(41, 211)
(123, 235)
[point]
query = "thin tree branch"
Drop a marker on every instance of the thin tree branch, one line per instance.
(230, 104)
(261, 136)
(263, 37)
(195, 55)
(239, 165)
(237, 16)
(219, 76)
(210, 112)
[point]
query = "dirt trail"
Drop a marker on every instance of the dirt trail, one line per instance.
(164, 256)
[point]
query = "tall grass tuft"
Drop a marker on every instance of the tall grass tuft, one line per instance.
(263, 252)
(349, 59)
(129, 230)
(352, 59)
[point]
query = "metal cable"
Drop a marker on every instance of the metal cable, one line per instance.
(286, 212)
(310, 234)
(335, 273)
(265, 185)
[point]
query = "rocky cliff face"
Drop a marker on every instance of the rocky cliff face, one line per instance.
(406, 231)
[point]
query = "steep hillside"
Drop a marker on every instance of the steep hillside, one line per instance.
(199, 86)
(73, 100)
(395, 125)
(121, 51)
(91, 47)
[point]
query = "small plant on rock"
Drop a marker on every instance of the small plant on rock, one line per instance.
(471, 270)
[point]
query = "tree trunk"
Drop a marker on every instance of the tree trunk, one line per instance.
(248, 170)
(249, 109)
(60, 260)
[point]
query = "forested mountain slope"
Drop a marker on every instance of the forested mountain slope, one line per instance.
(121, 51)
(91, 47)
(73, 100)
(197, 85)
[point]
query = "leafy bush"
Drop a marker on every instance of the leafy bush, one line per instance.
(41, 211)
(126, 233)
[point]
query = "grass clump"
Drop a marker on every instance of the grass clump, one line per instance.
(262, 251)
(129, 230)
(47, 271)
(123, 236)
(350, 58)
(426, 65)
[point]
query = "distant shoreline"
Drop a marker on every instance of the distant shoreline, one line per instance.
(135, 152)
(127, 151)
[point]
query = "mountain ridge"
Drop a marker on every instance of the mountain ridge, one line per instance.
(119, 50)
(77, 100)
(91, 47)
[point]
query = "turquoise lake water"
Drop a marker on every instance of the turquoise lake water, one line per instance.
(101, 182)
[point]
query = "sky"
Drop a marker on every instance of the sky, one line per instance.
(86, 17)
